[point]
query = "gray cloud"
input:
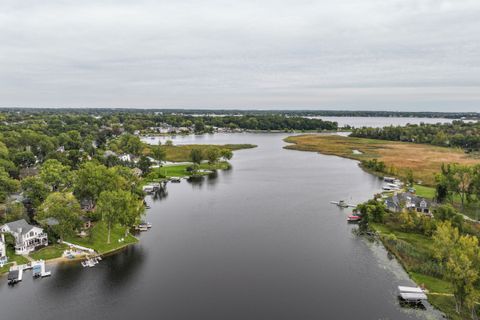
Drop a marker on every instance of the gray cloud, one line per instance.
(369, 54)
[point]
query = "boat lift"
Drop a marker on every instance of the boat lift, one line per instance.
(412, 294)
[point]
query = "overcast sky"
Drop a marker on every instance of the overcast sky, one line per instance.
(342, 54)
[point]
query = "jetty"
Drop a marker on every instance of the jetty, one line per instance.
(343, 204)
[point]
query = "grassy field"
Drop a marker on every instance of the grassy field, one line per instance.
(98, 238)
(424, 160)
(51, 252)
(181, 153)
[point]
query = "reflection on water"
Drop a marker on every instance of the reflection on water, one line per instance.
(260, 241)
(160, 193)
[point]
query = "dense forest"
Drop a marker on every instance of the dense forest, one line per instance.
(140, 120)
(459, 134)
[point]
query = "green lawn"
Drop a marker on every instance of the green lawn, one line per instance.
(97, 239)
(51, 252)
(180, 170)
(433, 284)
(425, 192)
(12, 257)
(181, 153)
(15, 257)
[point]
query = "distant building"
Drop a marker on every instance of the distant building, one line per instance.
(409, 201)
(27, 237)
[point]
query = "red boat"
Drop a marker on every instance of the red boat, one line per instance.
(354, 218)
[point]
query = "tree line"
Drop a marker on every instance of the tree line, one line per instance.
(459, 134)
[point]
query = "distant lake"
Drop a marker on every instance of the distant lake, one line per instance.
(258, 242)
(378, 122)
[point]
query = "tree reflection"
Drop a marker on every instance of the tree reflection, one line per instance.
(160, 193)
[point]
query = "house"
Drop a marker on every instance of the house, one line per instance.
(86, 222)
(125, 157)
(3, 250)
(87, 205)
(408, 201)
(27, 237)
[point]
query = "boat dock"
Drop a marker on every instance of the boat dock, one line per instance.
(412, 294)
(15, 274)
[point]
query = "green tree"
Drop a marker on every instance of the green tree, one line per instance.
(119, 207)
(134, 209)
(196, 156)
(158, 153)
(7, 184)
(34, 190)
(226, 154)
(459, 255)
(212, 155)
(91, 179)
(64, 208)
(144, 164)
(55, 174)
(24, 159)
(448, 213)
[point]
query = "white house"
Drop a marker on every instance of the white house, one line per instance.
(3, 250)
(125, 157)
(27, 237)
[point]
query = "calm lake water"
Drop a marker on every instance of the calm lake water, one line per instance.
(259, 241)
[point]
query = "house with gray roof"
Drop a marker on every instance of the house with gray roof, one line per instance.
(409, 201)
(27, 237)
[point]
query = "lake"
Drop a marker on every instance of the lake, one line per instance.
(259, 241)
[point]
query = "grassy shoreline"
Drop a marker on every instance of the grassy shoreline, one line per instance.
(54, 252)
(400, 158)
(412, 250)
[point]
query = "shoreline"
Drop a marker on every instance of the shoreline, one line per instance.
(65, 260)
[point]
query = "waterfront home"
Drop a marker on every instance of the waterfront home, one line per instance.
(3, 250)
(27, 237)
(409, 201)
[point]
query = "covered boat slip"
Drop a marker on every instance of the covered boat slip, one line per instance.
(412, 294)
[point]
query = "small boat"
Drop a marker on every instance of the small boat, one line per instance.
(13, 277)
(342, 204)
(175, 179)
(37, 271)
(144, 226)
(354, 218)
